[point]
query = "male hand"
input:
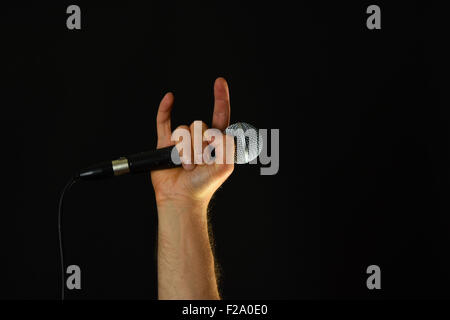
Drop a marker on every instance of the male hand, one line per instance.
(186, 268)
(193, 184)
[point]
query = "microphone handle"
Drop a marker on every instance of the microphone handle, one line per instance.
(135, 163)
(153, 160)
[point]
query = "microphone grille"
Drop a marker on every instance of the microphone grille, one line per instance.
(248, 142)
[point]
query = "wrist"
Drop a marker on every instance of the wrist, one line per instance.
(191, 212)
(181, 204)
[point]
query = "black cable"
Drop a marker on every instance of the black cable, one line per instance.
(69, 184)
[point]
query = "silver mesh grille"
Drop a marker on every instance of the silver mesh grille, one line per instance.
(248, 142)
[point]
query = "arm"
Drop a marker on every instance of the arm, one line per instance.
(185, 259)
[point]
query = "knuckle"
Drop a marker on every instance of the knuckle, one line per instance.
(198, 123)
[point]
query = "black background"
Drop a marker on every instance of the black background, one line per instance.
(364, 153)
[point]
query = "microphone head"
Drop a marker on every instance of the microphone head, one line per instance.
(248, 143)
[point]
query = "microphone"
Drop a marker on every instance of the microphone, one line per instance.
(248, 146)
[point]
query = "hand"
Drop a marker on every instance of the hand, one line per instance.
(192, 184)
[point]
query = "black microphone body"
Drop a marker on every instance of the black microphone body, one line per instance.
(135, 163)
(168, 157)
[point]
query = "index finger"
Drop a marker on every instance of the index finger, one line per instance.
(163, 126)
(221, 115)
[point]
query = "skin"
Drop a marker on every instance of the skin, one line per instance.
(185, 258)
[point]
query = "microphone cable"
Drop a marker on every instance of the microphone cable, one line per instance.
(68, 185)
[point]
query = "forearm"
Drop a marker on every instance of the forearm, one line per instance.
(185, 258)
